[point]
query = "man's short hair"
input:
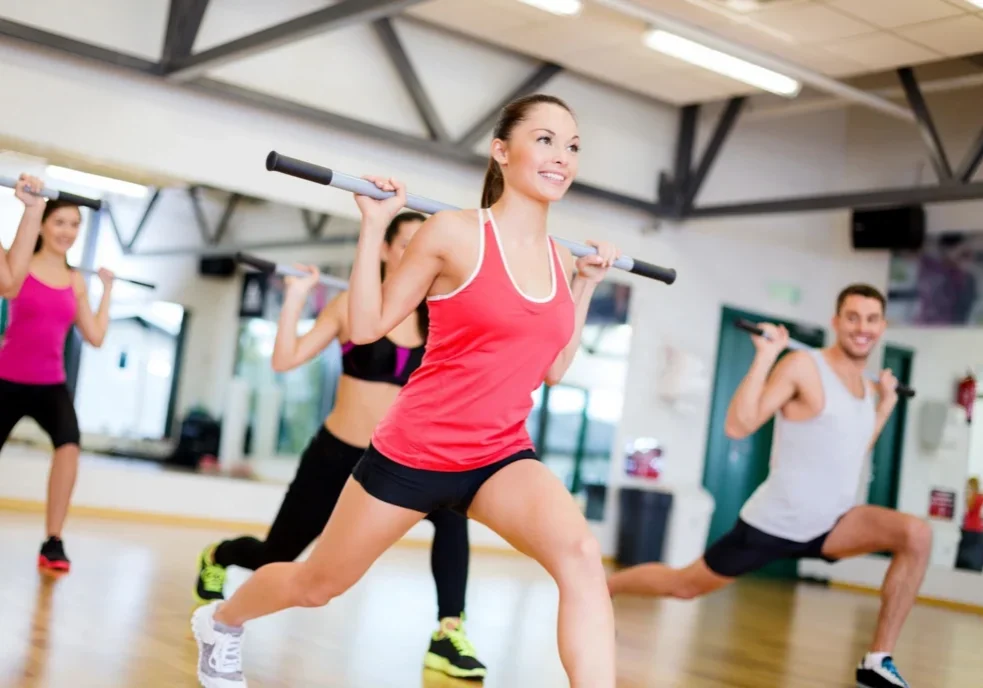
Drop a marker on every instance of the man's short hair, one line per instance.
(864, 290)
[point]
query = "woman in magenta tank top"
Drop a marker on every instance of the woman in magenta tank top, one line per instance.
(45, 299)
(504, 317)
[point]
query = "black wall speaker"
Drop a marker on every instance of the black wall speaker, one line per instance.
(217, 266)
(901, 228)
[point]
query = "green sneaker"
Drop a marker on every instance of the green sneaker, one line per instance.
(211, 577)
(452, 653)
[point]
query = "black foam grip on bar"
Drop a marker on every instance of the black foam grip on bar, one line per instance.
(298, 168)
(656, 272)
(260, 264)
(903, 390)
(148, 285)
(748, 327)
(80, 200)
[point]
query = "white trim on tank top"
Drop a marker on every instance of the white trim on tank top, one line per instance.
(477, 267)
(552, 259)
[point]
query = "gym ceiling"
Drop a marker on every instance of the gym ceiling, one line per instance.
(879, 54)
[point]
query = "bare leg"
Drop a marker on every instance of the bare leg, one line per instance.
(61, 483)
(869, 529)
(529, 507)
(659, 580)
(358, 532)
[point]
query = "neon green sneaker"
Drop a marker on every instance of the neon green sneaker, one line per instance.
(211, 577)
(452, 653)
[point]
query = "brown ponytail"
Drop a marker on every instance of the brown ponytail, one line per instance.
(512, 114)
(494, 185)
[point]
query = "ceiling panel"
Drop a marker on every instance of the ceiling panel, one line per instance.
(597, 28)
(882, 51)
(959, 36)
(890, 14)
(812, 22)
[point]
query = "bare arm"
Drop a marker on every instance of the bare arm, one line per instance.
(92, 326)
(760, 395)
(290, 351)
(374, 308)
(14, 264)
(887, 393)
(583, 291)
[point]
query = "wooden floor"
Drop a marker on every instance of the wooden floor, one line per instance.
(121, 619)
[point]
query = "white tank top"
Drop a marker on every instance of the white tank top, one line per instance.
(816, 465)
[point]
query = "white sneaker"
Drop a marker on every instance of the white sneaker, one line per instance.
(219, 650)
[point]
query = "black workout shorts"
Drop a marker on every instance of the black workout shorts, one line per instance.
(745, 549)
(50, 405)
(423, 490)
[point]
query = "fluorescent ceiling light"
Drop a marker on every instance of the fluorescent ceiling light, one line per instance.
(978, 3)
(567, 8)
(94, 181)
(722, 63)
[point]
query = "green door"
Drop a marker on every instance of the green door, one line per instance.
(886, 459)
(735, 468)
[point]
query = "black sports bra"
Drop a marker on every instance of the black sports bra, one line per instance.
(380, 361)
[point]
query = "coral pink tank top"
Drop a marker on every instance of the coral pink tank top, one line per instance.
(32, 350)
(489, 348)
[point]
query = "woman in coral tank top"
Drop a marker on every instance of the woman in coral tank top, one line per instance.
(45, 298)
(504, 318)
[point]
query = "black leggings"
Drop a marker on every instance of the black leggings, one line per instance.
(325, 466)
(50, 405)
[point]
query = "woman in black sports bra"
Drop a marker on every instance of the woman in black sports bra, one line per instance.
(372, 375)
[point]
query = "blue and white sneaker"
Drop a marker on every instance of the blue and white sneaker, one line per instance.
(878, 671)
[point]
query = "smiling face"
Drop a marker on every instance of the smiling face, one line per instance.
(859, 324)
(539, 157)
(60, 228)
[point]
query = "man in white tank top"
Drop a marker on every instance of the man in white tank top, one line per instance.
(827, 418)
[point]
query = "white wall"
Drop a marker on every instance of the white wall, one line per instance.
(943, 356)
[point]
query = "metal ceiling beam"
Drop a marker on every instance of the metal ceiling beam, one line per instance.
(945, 193)
(971, 163)
(337, 16)
(536, 81)
(725, 125)
(183, 21)
(759, 57)
(401, 61)
(437, 149)
(70, 46)
(689, 120)
(447, 151)
(926, 125)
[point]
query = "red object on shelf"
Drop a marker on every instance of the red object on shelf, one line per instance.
(966, 395)
(644, 460)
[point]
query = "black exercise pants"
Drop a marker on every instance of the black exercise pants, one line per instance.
(50, 405)
(325, 466)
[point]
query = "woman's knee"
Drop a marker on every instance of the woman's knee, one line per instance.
(579, 557)
(315, 588)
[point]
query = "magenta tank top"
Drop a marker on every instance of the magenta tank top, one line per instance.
(32, 350)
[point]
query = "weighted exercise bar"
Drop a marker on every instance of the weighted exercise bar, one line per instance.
(117, 278)
(269, 267)
(903, 390)
(328, 177)
(55, 195)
